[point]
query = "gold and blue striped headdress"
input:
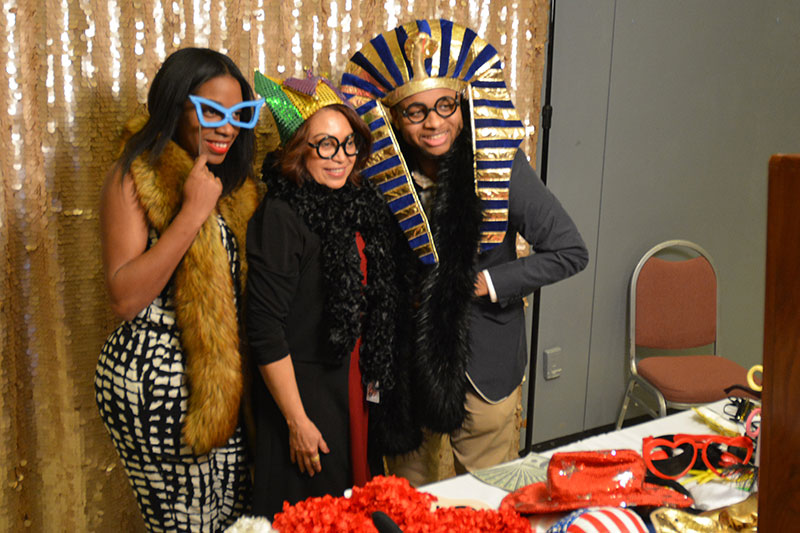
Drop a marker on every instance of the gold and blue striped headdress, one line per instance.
(424, 55)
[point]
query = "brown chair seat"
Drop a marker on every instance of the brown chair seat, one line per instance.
(692, 378)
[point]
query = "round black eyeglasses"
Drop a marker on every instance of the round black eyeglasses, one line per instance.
(444, 107)
(328, 146)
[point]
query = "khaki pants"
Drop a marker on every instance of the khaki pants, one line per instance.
(489, 436)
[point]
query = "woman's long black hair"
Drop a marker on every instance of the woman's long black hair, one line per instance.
(182, 72)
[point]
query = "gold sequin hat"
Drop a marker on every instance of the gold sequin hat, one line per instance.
(432, 54)
(294, 100)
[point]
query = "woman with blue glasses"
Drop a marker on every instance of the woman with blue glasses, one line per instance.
(174, 212)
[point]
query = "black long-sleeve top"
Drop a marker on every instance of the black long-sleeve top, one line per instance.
(284, 300)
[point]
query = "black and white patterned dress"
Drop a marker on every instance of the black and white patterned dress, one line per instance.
(142, 395)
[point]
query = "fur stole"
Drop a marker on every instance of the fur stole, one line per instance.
(203, 293)
(443, 294)
(370, 311)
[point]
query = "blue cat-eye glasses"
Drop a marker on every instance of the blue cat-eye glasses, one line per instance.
(226, 114)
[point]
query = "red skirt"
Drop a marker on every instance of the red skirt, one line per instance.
(359, 412)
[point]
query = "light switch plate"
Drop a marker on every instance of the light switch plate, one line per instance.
(552, 362)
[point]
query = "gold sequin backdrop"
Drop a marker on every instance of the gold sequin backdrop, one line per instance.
(73, 71)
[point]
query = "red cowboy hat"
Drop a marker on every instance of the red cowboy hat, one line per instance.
(584, 479)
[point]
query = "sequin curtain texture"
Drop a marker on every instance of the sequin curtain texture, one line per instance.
(74, 71)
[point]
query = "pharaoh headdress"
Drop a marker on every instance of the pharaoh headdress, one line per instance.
(424, 55)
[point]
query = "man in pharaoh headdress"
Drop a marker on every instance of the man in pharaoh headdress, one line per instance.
(446, 158)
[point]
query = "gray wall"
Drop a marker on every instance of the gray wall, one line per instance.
(665, 115)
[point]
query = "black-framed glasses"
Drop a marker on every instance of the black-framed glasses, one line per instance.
(738, 408)
(328, 146)
(444, 107)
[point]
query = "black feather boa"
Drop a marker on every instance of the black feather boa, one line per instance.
(444, 291)
(352, 310)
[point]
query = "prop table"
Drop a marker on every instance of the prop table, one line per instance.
(707, 496)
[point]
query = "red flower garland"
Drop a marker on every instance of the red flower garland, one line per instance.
(409, 508)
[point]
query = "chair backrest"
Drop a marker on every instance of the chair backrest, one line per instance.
(673, 304)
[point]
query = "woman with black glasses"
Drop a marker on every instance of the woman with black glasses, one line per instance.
(321, 308)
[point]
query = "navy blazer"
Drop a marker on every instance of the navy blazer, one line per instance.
(497, 330)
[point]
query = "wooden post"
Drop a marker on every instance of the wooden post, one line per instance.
(779, 478)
